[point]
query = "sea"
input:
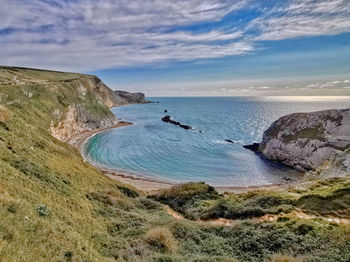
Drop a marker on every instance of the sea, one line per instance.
(155, 150)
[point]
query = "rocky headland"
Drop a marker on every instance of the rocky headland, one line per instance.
(316, 141)
(130, 98)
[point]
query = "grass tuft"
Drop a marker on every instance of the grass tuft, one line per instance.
(162, 239)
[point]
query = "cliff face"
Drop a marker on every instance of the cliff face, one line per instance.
(309, 141)
(76, 102)
(76, 120)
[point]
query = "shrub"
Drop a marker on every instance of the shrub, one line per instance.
(303, 229)
(163, 259)
(283, 219)
(12, 209)
(42, 210)
(68, 255)
(161, 238)
(128, 191)
(337, 200)
(186, 198)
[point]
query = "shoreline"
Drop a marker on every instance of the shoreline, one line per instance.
(149, 185)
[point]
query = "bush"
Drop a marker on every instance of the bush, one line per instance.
(68, 255)
(162, 238)
(283, 219)
(128, 191)
(255, 206)
(303, 229)
(43, 210)
(12, 209)
(187, 198)
(337, 200)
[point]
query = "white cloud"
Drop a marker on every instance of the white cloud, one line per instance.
(99, 34)
(88, 35)
(304, 18)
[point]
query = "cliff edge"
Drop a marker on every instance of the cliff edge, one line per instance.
(310, 141)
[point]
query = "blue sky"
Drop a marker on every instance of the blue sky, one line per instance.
(186, 48)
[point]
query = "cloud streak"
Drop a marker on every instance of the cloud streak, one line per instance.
(88, 35)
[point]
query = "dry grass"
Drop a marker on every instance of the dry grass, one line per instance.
(284, 258)
(162, 238)
(4, 114)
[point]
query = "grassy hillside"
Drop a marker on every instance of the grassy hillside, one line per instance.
(56, 207)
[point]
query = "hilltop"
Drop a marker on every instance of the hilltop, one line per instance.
(54, 206)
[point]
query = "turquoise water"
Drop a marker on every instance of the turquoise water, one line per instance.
(156, 150)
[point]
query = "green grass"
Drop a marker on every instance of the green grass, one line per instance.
(56, 207)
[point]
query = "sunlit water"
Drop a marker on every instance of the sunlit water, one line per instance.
(156, 150)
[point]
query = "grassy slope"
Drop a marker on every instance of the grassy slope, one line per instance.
(56, 207)
(36, 169)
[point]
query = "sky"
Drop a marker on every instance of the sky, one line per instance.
(186, 47)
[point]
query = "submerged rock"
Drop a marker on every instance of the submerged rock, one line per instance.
(307, 141)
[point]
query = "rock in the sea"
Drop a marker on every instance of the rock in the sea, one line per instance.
(185, 127)
(167, 119)
(307, 141)
(165, 111)
(229, 141)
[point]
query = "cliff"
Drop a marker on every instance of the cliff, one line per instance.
(82, 101)
(309, 141)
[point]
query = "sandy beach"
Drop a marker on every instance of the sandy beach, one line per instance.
(148, 185)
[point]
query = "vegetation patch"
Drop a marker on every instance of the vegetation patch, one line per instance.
(5, 114)
(200, 201)
(161, 238)
(128, 191)
(187, 198)
(310, 133)
(337, 201)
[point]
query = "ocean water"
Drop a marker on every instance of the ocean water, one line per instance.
(156, 150)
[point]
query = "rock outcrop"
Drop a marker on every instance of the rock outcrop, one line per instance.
(308, 141)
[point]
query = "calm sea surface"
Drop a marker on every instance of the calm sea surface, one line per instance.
(153, 149)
